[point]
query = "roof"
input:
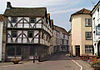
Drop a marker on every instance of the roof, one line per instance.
(60, 29)
(25, 12)
(1, 18)
(48, 15)
(95, 7)
(69, 32)
(82, 11)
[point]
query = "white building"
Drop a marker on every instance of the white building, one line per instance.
(96, 28)
(1, 33)
(28, 32)
(61, 39)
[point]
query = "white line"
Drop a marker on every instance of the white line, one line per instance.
(78, 64)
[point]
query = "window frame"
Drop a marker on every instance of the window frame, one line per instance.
(88, 38)
(88, 49)
(14, 33)
(89, 22)
(30, 35)
(13, 19)
(31, 19)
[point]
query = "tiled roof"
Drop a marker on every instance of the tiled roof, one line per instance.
(60, 29)
(1, 18)
(82, 11)
(35, 12)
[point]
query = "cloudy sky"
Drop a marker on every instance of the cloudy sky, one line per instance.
(60, 10)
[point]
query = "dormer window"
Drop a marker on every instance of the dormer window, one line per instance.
(13, 19)
(32, 20)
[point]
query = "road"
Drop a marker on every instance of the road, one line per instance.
(60, 61)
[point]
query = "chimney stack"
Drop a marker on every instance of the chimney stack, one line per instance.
(9, 5)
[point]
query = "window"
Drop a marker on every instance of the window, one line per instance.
(14, 33)
(62, 41)
(30, 34)
(10, 51)
(32, 20)
(13, 50)
(32, 51)
(88, 48)
(94, 22)
(88, 35)
(67, 41)
(63, 36)
(88, 22)
(13, 19)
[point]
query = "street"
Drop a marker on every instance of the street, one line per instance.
(59, 61)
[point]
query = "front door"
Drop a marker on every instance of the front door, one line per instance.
(77, 50)
(25, 52)
(99, 48)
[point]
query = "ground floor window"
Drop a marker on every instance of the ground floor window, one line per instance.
(32, 49)
(88, 49)
(13, 50)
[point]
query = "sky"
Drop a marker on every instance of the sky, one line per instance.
(60, 10)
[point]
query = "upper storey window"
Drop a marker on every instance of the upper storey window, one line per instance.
(32, 20)
(30, 34)
(13, 19)
(88, 35)
(14, 33)
(88, 22)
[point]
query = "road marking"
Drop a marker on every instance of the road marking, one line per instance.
(78, 64)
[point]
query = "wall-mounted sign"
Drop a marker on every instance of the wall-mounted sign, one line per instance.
(98, 30)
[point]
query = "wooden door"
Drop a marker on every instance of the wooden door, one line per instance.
(99, 48)
(77, 50)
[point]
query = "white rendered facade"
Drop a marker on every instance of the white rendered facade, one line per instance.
(96, 29)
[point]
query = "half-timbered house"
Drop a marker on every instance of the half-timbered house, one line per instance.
(28, 32)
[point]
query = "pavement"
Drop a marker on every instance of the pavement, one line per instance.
(59, 61)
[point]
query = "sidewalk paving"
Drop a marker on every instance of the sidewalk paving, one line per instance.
(84, 64)
(6, 63)
(11, 63)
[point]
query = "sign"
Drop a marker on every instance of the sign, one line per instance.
(97, 30)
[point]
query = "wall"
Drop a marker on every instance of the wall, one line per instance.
(83, 30)
(78, 33)
(1, 31)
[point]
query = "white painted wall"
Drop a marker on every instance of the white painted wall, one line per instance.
(96, 38)
(1, 32)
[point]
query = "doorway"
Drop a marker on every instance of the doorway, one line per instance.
(25, 52)
(98, 48)
(77, 50)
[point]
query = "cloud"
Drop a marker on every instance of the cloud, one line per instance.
(37, 2)
(65, 11)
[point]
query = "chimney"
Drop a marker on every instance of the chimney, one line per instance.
(9, 5)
